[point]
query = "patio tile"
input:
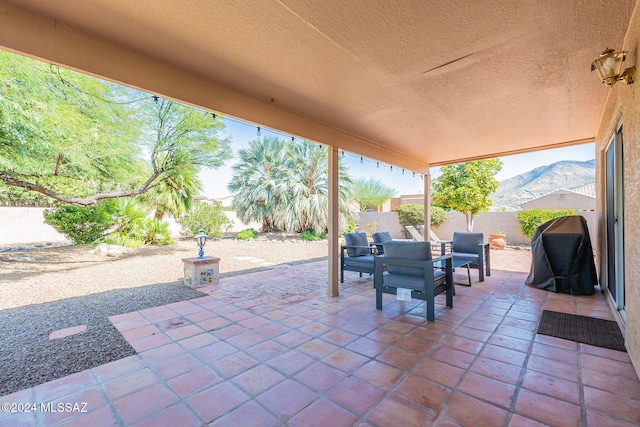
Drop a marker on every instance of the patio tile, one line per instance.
(194, 382)
(64, 386)
(423, 392)
(290, 362)
(503, 354)
(317, 348)
(320, 377)
(323, 413)
(249, 414)
(497, 370)
(198, 341)
(454, 357)
(547, 409)
(216, 401)
(552, 386)
(101, 417)
(144, 402)
(293, 338)
(488, 389)
(257, 380)
(440, 372)
(399, 412)
(177, 415)
(286, 398)
(306, 358)
(379, 374)
(117, 368)
(345, 360)
(473, 412)
(215, 351)
(130, 383)
(612, 404)
(400, 358)
(82, 402)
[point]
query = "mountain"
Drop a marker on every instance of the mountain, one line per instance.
(566, 174)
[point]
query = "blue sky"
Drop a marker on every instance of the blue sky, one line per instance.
(215, 181)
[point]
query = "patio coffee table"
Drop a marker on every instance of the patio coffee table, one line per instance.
(456, 263)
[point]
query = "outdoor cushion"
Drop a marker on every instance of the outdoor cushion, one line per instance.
(420, 251)
(379, 238)
(364, 261)
(412, 282)
(466, 242)
(357, 239)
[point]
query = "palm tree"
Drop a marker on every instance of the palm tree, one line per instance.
(308, 204)
(258, 182)
(285, 186)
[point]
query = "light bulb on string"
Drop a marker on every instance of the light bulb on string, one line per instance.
(361, 160)
(390, 168)
(259, 132)
(414, 174)
(378, 165)
(402, 171)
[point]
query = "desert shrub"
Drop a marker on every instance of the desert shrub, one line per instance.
(247, 234)
(311, 236)
(413, 214)
(211, 218)
(134, 227)
(351, 227)
(438, 216)
(81, 224)
(530, 219)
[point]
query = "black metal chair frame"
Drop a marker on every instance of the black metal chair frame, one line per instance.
(428, 287)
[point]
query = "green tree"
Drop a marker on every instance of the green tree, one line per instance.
(466, 187)
(78, 140)
(371, 193)
(307, 203)
(284, 186)
(258, 183)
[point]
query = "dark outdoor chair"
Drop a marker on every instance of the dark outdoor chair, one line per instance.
(471, 247)
(410, 266)
(379, 238)
(356, 255)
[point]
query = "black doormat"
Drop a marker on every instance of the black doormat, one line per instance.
(588, 330)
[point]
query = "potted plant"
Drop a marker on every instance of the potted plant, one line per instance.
(498, 240)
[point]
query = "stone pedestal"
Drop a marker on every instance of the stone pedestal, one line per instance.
(201, 271)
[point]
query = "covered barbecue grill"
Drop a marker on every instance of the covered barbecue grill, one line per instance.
(562, 257)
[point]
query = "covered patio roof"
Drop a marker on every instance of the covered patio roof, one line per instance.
(417, 83)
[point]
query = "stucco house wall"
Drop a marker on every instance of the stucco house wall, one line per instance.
(623, 109)
(561, 199)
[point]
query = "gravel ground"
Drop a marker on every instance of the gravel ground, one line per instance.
(47, 289)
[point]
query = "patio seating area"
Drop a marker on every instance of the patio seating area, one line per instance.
(270, 348)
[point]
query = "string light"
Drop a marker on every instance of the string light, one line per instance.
(342, 152)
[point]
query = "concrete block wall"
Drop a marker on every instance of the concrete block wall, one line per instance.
(26, 225)
(485, 222)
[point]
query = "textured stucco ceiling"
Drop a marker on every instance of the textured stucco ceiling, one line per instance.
(430, 81)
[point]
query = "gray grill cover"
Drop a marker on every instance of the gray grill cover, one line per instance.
(562, 257)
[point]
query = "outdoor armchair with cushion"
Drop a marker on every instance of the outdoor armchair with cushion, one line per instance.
(356, 255)
(410, 266)
(379, 238)
(471, 247)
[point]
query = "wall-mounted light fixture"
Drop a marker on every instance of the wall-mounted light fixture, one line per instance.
(609, 68)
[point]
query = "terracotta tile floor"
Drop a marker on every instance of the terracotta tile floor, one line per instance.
(269, 349)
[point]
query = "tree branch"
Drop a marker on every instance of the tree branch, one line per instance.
(8, 179)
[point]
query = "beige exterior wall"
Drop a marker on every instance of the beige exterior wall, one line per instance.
(561, 199)
(623, 109)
